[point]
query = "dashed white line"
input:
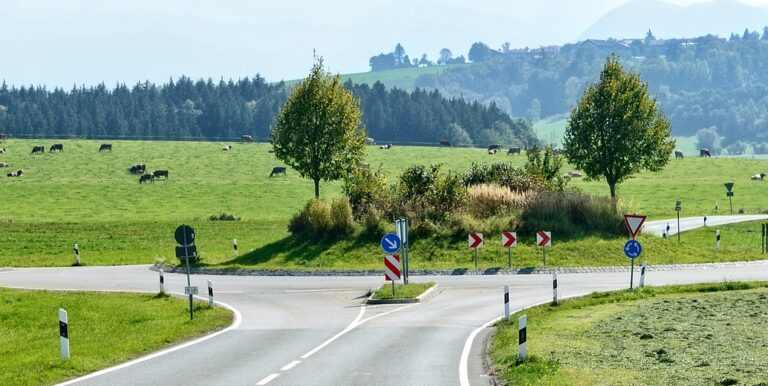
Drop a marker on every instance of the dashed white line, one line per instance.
(290, 365)
(268, 379)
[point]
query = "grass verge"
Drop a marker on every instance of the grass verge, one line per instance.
(682, 335)
(105, 329)
(402, 291)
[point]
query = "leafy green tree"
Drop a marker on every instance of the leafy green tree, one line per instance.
(318, 132)
(479, 52)
(445, 56)
(617, 130)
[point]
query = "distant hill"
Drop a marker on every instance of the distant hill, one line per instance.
(665, 20)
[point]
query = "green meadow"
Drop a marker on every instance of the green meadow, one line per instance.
(88, 197)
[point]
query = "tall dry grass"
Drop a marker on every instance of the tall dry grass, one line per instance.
(489, 200)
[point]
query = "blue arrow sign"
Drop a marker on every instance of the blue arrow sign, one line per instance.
(390, 243)
(633, 249)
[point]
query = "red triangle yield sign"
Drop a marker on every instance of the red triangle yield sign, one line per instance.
(634, 222)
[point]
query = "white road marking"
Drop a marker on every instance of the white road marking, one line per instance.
(322, 290)
(268, 379)
(234, 325)
(290, 365)
(351, 327)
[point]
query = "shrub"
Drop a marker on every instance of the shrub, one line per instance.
(341, 216)
(313, 220)
(571, 214)
(372, 221)
(448, 194)
(224, 217)
(417, 180)
(364, 189)
(504, 174)
(488, 200)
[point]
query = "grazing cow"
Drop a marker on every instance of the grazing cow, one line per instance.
(17, 173)
(227, 148)
(513, 150)
(704, 153)
(161, 173)
(147, 177)
(2, 137)
(38, 149)
(277, 170)
(572, 174)
(492, 151)
(678, 154)
(137, 169)
(4, 165)
(246, 138)
(494, 147)
(370, 141)
(445, 143)
(56, 146)
(3, 151)
(389, 146)
(106, 147)
(758, 177)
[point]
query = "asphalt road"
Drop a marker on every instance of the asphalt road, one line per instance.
(314, 330)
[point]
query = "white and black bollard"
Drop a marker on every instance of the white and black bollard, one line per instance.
(234, 246)
(554, 287)
(63, 334)
(522, 336)
(506, 302)
(210, 294)
(642, 273)
(77, 254)
(705, 220)
(717, 233)
(162, 282)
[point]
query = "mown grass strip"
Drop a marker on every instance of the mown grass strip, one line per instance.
(105, 329)
(683, 335)
(402, 291)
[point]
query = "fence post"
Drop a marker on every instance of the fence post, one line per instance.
(64, 333)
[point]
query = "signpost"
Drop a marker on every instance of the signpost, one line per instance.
(185, 236)
(392, 270)
(729, 193)
(509, 240)
(475, 242)
(633, 248)
(401, 228)
(390, 243)
(544, 239)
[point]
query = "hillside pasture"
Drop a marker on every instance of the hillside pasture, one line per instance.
(84, 196)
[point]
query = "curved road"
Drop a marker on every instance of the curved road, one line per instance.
(314, 330)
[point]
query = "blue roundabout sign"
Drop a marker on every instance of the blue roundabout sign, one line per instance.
(633, 249)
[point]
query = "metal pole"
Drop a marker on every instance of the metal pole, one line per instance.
(730, 200)
(475, 259)
(632, 274)
(186, 257)
(393, 289)
(509, 257)
(544, 252)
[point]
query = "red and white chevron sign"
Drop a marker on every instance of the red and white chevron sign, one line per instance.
(392, 267)
(508, 239)
(475, 240)
(543, 239)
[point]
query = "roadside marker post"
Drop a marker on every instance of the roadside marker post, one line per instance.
(509, 241)
(717, 237)
(506, 302)
(642, 273)
(77, 254)
(475, 242)
(64, 333)
(543, 240)
(705, 220)
(234, 246)
(678, 207)
(162, 282)
(554, 288)
(210, 294)
(522, 337)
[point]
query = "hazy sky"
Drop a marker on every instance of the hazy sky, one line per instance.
(61, 43)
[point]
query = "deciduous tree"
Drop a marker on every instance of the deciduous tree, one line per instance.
(318, 131)
(617, 130)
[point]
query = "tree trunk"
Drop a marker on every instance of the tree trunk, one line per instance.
(317, 188)
(612, 186)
